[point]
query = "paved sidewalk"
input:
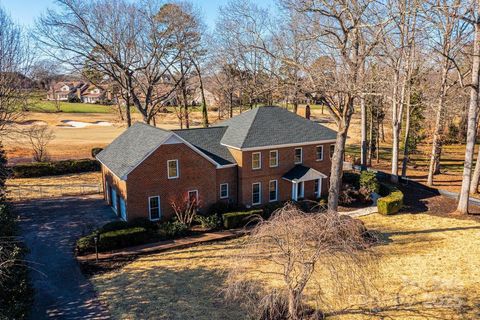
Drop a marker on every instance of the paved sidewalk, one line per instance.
(156, 247)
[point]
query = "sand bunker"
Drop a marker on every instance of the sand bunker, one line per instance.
(32, 122)
(80, 124)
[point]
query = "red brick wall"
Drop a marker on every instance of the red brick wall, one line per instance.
(227, 175)
(247, 175)
(150, 179)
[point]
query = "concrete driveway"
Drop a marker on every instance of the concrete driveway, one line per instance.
(50, 229)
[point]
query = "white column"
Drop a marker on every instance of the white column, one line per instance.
(294, 190)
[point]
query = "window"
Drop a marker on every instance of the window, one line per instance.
(332, 150)
(298, 155)
(256, 160)
(224, 190)
(319, 153)
(193, 196)
(154, 207)
(272, 190)
(256, 194)
(172, 169)
(273, 158)
(318, 187)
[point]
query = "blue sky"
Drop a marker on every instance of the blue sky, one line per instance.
(25, 11)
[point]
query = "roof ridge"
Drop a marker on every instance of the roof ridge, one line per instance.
(201, 128)
(150, 126)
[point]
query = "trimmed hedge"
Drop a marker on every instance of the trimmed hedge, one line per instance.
(233, 220)
(392, 203)
(123, 238)
(54, 168)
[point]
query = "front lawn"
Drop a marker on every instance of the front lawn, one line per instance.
(428, 267)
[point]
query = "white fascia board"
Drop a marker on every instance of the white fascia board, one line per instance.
(278, 146)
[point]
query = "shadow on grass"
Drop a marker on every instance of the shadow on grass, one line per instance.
(167, 293)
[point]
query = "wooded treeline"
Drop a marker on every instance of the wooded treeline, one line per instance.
(410, 65)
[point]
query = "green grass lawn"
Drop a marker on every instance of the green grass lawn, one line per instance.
(49, 106)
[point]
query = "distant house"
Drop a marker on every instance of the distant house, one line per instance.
(95, 94)
(66, 90)
(265, 155)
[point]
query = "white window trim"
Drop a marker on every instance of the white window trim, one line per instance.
(224, 197)
(301, 155)
(150, 209)
(259, 160)
(270, 157)
(259, 193)
(276, 191)
(168, 169)
(320, 146)
(196, 194)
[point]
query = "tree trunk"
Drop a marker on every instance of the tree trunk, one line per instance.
(363, 125)
(396, 126)
(337, 169)
(407, 136)
(371, 142)
(202, 91)
(476, 176)
(436, 143)
(472, 118)
(128, 114)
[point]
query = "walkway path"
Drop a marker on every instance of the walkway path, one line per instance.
(50, 229)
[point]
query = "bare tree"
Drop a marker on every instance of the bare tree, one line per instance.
(185, 208)
(292, 247)
(448, 42)
(474, 19)
(40, 136)
(15, 62)
(132, 44)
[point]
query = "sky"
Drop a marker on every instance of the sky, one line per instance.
(25, 12)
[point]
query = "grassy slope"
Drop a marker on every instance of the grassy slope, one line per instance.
(427, 268)
(49, 106)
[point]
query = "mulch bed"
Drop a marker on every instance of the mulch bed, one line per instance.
(420, 200)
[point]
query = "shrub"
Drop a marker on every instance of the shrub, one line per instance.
(143, 223)
(114, 226)
(392, 203)
(234, 220)
(221, 207)
(270, 208)
(172, 229)
(208, 222)
(86, 244)
(54, 168)
(351, 178)
(96, 151)
(123, 238)
(368, 181)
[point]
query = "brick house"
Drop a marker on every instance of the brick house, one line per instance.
(265, 155)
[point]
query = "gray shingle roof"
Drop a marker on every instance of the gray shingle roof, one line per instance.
(130, 148)
(266, 126)
(208, 140)
(302, 173)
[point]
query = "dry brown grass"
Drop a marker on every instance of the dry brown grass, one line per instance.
(428, 268)
(54, 186)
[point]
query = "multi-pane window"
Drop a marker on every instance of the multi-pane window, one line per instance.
(274, 158)
(172, 167)
(256, 193)
(332, 150)
(154, 207)
(224, 190)
(256, 160)
(273, 190)
(319, 153)
(298, 155)
(193, 196)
